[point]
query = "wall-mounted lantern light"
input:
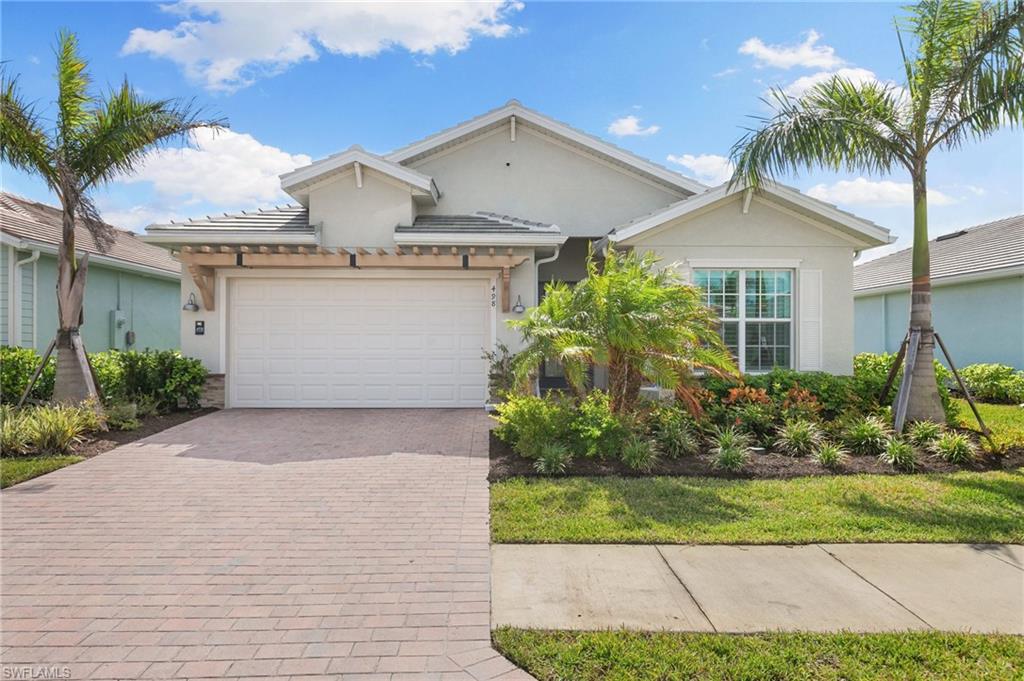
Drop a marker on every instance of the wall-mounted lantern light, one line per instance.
(519, 308)
(191, 305)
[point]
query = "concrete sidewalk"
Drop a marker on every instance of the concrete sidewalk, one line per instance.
(819, 587)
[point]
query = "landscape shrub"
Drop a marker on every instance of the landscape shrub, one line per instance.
(596, 431)
(899, 454)
(14, 432)
(994, 383)
(830, 455)
(757, 420)
(731, 448)
(870, 371)
(867, 436)
(164, 376)
(123, 416)
(54, 430)
(16, 367)
(638, 453)
(553, 458)
(800, 403)
(923, 433)
(109, 374)
(674, 432)
(798, 437)
(526, 422)
(955, 448)
(833, 393)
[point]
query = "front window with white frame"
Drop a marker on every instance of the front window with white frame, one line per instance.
(755, 311)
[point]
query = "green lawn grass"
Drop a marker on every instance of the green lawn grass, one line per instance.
(18, 469)
(958, 507)
(581, 656)
(1006, 421)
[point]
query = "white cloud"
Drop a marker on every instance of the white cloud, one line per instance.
(33, 59)
(629, 126)
(856, 75)
(863, 191)
(228, 45)
(225, 169)
(709, 168)
(725, 72)
(137, 217)
(808, 54)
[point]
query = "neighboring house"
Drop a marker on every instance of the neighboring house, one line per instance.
(383, 286)
(977, 295)
(133, 289)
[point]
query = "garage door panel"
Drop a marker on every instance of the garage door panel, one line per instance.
(351, 343)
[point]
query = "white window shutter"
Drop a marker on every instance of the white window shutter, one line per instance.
(809, 320)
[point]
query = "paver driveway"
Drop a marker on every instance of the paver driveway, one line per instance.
(260, 543)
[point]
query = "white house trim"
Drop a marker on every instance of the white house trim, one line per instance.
(524, 115)
(870, 233)
(295, 180)
(743, 264)
(453, 239)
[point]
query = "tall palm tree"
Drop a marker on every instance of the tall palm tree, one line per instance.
(93, 140)
(964, 67)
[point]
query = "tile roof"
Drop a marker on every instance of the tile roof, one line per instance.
(479, 222)
(278, 219)
(41, 223)
(983, 248)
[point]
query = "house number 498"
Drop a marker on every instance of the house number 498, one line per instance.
(494, 295)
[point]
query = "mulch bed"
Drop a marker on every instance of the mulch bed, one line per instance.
(104, 442)
(505, 463)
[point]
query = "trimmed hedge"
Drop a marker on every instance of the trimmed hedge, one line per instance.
(996, 383)
(163, 377)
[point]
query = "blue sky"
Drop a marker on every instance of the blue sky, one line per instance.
(674, 82)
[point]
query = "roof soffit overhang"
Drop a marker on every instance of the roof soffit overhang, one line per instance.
(861, 233)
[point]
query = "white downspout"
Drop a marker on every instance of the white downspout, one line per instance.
(537, 264)
(14, 331)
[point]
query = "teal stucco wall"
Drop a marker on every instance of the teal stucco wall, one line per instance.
(151, 307)
(980, 322)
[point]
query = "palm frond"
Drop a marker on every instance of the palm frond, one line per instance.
(72, 90)
(836, 124)
(23, 142)
(126, 126)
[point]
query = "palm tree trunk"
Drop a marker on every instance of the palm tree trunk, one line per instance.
(924, 403)
(73, 381)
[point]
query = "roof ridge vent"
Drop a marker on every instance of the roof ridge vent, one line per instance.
(951, 235)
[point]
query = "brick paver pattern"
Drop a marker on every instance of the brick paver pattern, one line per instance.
(247, 543)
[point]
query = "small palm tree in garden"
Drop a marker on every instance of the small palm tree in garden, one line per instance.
(637, 320)
(964, 66)
(93, 140)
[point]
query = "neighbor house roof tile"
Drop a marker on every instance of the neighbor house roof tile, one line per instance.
(983, 248)
(40, 223)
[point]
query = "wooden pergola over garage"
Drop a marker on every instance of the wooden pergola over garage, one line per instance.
(202, 261)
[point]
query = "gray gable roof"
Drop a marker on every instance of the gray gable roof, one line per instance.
(286, 219)
(984, 248)
(480, 222)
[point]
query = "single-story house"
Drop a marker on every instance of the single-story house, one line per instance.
(132, 293)
(977, 295)
(392, 273)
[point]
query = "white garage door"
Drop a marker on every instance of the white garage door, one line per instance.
(358, 342)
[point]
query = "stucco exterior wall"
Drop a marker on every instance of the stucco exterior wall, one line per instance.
(360, 216)
(539, 178)
(980, 321)
(764, 235)
(211, 347)
(150, 304)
